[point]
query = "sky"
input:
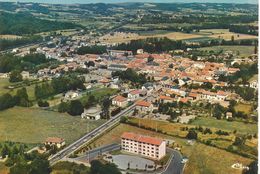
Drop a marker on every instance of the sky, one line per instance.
(118, 1)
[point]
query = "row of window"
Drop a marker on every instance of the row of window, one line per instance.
(152, 154)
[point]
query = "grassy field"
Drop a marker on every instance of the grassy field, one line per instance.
(216, 161)
(225, 125)
(243, 50)
(98, 94)
(246, 108)
(209, 160)
(34, 126)
(5, 83)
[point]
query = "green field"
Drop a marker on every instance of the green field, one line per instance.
(4, 83)
(225, 125)
(98, 94)
(243, 50)
(34, 125)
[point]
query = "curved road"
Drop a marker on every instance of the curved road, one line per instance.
(175, 166)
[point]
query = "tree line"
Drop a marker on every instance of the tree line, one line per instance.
(25, 23)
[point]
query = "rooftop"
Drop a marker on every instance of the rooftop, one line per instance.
(142, 138)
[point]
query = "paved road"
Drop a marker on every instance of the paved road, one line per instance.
(90, 136)
(175, 166)
(92, 154)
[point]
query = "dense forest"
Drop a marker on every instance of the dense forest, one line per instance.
(25, 23)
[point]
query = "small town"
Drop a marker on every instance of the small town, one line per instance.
(80, 98)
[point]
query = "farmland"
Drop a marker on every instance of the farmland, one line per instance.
(243, 50)
(33, 125)
(201, 35)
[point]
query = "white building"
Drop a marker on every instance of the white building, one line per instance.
(119, 101)
(92, 113)
(253, 84)
(133, 95)
(71, 95)
(143, 145)
(25, 74)
(144, 106)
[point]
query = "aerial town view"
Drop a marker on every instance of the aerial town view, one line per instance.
(129, 87)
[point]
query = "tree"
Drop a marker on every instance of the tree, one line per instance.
(42, 103)
(91, 101)
(40, 166)
(75, 108)
(239, 141)
(232, 38)
(22, 97)
(123, 119)
(20, 169)
(192, 134)
(99, 168)
(5, 151)
(253, 168)
(15, 76)
(106, 103)
(150, 59)
(63, 107)
(7, 101)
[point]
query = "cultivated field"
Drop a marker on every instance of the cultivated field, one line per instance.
(119, 37)
(200, 156)
(10, 37)
(34, 125)
(246, 108)
(225, 34)
(243, 50)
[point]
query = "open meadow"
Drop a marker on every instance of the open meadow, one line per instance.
(225, 125)
(29, 125)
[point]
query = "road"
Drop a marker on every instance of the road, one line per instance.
(92, 154)
(175, 166)
(89, 136)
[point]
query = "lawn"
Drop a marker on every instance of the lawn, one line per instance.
(225, 125)
(202, 158)
(29, 125)
(246, 108)
(243, 50)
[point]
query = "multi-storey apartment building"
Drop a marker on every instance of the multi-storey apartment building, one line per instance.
(143, 145)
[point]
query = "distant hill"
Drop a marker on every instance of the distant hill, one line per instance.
(25, 23)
